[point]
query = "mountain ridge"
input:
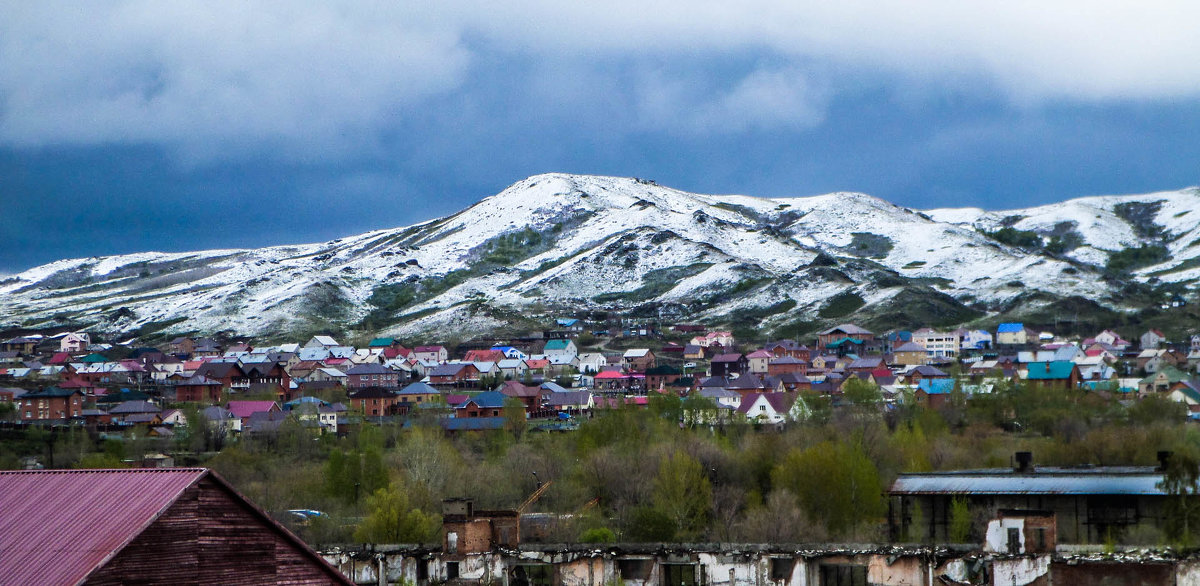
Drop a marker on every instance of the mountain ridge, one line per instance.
(559, 243)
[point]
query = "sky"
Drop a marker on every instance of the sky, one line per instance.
(141, 125)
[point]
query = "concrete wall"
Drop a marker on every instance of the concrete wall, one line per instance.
(742, 565)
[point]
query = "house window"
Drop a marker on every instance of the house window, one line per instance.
(451, 570)
(532, 575)
(637, 569)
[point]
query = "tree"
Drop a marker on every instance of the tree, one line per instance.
(683, 493)
(861, 392)
(515, 417)
(960, 520)
(834, 483)
(390, 519)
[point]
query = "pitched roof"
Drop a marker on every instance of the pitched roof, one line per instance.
(487, 400)
(727, 358)
(849, 329)
(910, 347)
(1057, 370)
(380, 342)
(557, 344)
(247, 408)
(1010, 328)
(936, 386)
(418, 388)
(60, 526)
(370, 368)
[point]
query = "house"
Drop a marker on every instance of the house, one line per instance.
(1013, 334)
(486, 404)
(933, 392)
(242, 410)
(786, 365)
(914, 376)
(722, 339)
(418, 393)
(758, 362)
(372, 375)
(375, 401)
(1109, 338)
(511, 352)
(124, 410)
(229, 374)
(512, 368)
(50, 404)
(560, 348)
(974, 339)
(437, 354)
(612, 380)
(1152, 339)
(457, 374)
(531, 397)
(490, 355)
(573, 402)
(728, 364)
(1060, 374)
(75, 342)
(909, 354)
(660, 376)
(638, 359)
(321, 342)
(24, 345)
(693, 352)
(843, 331)
(1161, 382)
(145, 526)
(766, 407)
(941, 344)
(781, 348)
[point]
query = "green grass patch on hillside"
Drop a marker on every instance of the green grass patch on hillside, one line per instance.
(842, 304)
(654, 283)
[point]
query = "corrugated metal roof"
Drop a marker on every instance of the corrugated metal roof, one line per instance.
(1100, 481)
(60, 525)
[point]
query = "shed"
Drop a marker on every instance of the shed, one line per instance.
(146, 526)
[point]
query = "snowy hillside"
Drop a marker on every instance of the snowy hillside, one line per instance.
(560, 244)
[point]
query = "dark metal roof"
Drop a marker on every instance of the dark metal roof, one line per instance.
(1046, 481)
(60, 525)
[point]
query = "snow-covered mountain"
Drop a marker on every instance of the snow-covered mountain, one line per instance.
(557, 244)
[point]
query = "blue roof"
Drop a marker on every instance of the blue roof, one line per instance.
(1010, 328)
(936, 386)
(1056, 370)
(418, 388)
(488, 400)
(566, 322)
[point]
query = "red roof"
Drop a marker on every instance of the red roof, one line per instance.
(241, 409)
(60, 525)
(609, 374)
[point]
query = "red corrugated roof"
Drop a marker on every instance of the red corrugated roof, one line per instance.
(60, 525)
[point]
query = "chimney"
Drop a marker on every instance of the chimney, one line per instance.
(1164, 458)
(1024, 462)
(1047, 367)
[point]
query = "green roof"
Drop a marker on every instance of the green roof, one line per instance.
(93, 357)
(557, 344)
(844, 341)
(381, 342)
(1173, 374)
(1056, 370)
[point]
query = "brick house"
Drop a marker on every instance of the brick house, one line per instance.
(374, 400)
(51, 403)
(487, 404)
(372, 375)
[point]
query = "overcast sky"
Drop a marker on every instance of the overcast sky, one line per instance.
(150, 125)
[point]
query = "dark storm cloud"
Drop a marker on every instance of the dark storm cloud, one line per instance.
(125, 124)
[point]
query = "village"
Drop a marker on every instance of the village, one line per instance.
(67, 379)
(1024, 523)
